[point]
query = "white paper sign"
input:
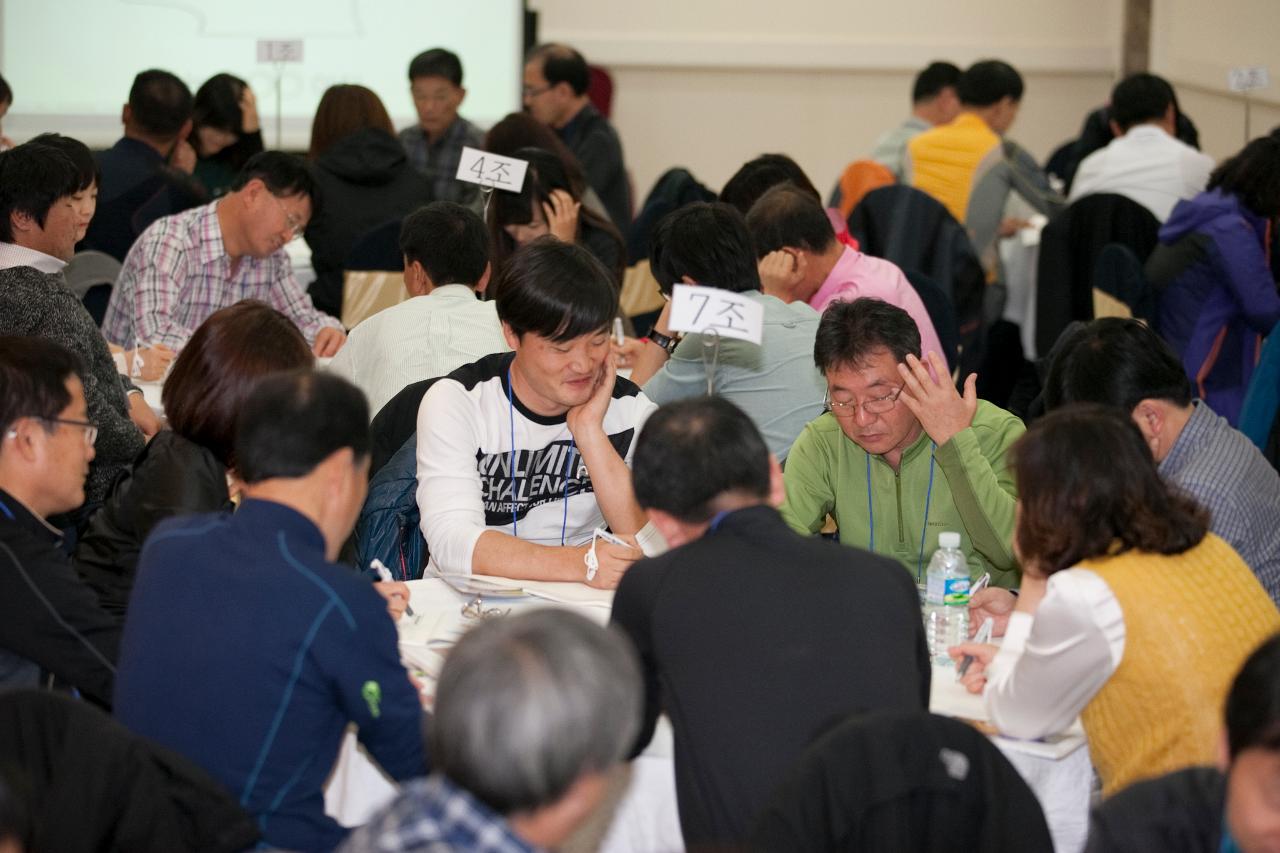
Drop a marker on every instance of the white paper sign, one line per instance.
(1248, 77)
(491, 170)
(710, 309)
(279, 50)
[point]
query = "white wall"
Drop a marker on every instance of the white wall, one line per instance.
(710, 85)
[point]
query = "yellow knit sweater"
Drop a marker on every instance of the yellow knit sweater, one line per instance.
(1190, 621)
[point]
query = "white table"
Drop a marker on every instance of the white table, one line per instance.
(645, 817)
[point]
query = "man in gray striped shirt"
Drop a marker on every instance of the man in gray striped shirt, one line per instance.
(1120, 362)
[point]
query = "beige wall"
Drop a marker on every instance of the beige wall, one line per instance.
(1194, 43)
(709, 85)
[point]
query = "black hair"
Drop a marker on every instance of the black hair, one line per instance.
(217, 104)
(988, 82)
(932, 80)
(709, 243)
(33, 378)
(437, 62)
(556, 290)
(850, 331)
(161, 103)
(1115, 362)
(757, 176)
(1253, 704)
(291, 422)
(562, 64)
(787, 216)
(283, 174)
(1253, 175)
(32, 178)
(449, 240)
(81, 156)
(6, 92)
(692, 452)
(1140, 98)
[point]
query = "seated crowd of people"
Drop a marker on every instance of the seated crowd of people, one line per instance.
(197, 585)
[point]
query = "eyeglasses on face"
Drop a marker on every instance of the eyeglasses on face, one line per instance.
(90, 431)
(874, 406)
(535, 91)
(292, 220)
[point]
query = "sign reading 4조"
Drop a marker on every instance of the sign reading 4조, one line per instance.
(491, 170)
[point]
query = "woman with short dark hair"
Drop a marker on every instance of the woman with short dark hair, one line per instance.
(1131, 614)
(225, 131)
(189, 467)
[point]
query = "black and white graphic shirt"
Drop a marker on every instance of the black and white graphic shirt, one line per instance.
(487, 463)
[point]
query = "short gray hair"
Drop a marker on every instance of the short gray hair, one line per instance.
(525, 705)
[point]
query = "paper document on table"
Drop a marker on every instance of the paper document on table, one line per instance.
(950, 699)
(569, 593)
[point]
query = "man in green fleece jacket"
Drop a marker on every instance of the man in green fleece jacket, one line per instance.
(901, 456)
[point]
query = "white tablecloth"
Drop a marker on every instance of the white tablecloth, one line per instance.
(646, 818)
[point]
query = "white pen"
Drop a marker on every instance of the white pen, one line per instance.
(384, 575)
(983, 636)
(618, 337)
(980, 584)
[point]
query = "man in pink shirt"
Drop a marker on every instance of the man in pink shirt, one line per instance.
(801, 259)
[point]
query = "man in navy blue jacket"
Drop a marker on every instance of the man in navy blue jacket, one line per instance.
(246, 648)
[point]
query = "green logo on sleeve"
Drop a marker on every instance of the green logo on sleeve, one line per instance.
(372, 694)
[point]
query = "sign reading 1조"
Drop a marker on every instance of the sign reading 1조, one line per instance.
(1247, 77)
(279, 50)
(491, 170)
(710, 309)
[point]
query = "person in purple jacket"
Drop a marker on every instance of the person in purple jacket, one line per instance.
(1214, 267)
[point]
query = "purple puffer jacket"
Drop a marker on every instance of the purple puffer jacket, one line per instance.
(1216, 310)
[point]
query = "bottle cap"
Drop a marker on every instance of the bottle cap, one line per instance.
(949, 540)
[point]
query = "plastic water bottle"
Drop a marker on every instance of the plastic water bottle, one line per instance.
(946, 599)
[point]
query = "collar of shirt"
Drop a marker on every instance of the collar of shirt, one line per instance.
(12, 255)
(454, 815)
(453, 291)
(916, 123)
(272, 517)
(845, 270)
(1147, 131)
(1199, 425)
(208, 231)
(12, 509)
(138, 148)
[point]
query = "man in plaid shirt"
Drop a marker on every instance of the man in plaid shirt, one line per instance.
(187, 266)
(531, 713)
(434, 145)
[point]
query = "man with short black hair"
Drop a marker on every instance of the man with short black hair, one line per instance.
(187, 266)
(556, 78)
(37, 238)
(744, 628)
(1123, 363)
(434, 145)
(902, 456)
(523, 455)
(247, 648)
(443, 325)
(933, 102)
(775, 381)
(147, 174)
(549, 692)
(1145, 162)
(801, 260)
(971, 167)
(50, 620)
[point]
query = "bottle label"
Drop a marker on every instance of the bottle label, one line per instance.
(956, 591)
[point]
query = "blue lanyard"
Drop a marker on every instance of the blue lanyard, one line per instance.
(511, 463)
(924, 528)
(8, 513)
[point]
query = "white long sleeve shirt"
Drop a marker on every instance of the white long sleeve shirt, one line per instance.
(1051, 664)
(1146, 165)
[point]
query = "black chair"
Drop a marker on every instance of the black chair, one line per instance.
(394, 423)
(91, 784)
(377, 249)
(1069, 248)
(913, 230)
(1118, 273)
(902, 782)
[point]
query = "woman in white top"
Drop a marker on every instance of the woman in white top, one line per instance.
(1131, 614)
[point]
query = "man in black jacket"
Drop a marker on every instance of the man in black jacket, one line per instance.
(49, 620)
(752, 639)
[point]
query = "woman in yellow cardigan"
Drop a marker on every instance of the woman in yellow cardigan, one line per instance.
(1131, 614)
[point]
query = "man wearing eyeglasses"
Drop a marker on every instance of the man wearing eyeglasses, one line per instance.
(901, 455)
(187, 266)
(50, 621)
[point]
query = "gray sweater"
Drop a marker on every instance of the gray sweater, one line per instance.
(39, 304)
